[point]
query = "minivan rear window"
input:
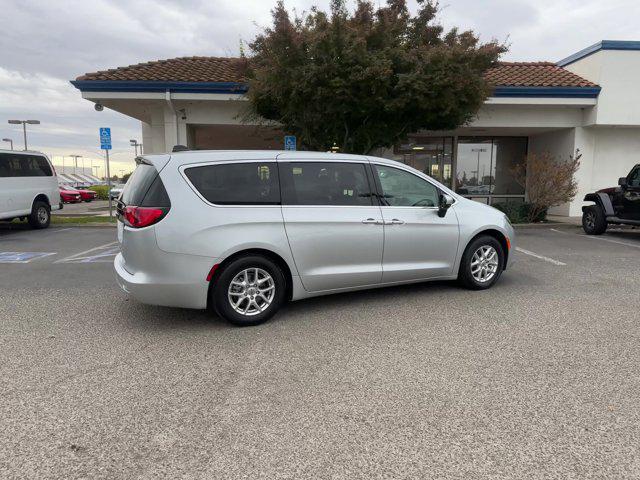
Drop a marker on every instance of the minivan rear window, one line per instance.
(18, 165)
(145, 188)
(247, 183)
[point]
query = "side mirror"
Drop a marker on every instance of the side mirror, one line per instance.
(622, 181)
(445, 202)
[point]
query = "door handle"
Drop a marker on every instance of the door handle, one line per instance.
(395, 221)
(373, 221)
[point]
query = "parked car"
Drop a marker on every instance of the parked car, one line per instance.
(70, 195)
(618, 205)
(28, 187)
(115, 192)
(243, 232)
(85, 195)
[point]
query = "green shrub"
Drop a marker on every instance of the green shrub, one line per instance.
(520, 212)
(102, 191)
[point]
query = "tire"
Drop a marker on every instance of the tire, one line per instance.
(243, 269)
(594, 221)
(40, 215)
(468, 274)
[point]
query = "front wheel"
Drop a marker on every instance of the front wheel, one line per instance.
(249, 291)
(594, 221)
(40, 215)
(482, 263)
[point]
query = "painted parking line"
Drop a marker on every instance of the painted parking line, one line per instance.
(626, 244)
(101, 254)
(22, 257)
(541, 257)
(604, 239)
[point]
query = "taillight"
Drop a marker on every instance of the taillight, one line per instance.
(138, 217)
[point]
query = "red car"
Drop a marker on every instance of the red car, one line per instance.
(85, 195)
(70, 196)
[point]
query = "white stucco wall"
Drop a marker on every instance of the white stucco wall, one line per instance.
(618, 74)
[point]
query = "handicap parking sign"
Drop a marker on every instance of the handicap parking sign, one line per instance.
(290, 142)
(105, 138)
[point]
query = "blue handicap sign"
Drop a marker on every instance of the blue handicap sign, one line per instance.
(289, 142)
(105, 138)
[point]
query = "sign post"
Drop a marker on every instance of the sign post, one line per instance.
(105, 144)
(290, 142)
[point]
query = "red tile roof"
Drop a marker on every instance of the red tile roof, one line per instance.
(228, 69)
(183, 69)
(534, 74)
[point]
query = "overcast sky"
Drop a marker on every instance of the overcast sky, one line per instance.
(44, 44)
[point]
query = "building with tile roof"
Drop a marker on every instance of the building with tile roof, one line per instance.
(589, 101)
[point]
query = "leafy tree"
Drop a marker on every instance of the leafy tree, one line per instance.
(365, 79)
(125, 177)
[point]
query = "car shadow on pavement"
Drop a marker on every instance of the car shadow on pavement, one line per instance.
(169, 318)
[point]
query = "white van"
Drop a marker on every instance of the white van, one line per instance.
(28, 187)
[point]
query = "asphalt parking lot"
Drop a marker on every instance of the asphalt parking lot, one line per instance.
(536, 378)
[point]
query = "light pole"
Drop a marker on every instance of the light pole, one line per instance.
(135, 144)
(479, 150)
(24, 127)
(75, 165)
(8, 140)
(96, 170)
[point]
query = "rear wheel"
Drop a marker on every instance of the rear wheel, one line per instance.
(482, 263)
(594, 221)
(40, 215)
(249, 291)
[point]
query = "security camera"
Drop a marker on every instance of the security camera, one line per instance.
(98, 107)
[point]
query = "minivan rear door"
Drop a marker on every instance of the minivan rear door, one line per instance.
(333, 223)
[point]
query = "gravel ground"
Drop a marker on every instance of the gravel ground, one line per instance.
(536, 378)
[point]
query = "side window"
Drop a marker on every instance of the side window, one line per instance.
(43, 166)
(403, 189)
(12, 165)
(250, 183)
(6, 165)
(324, 183)
(634, 178)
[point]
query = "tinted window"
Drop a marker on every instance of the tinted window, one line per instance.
(250, 183)
(13, 165)
(634, 178)
(404, 189)
(330, 183)
(138, 184)
(156, 195)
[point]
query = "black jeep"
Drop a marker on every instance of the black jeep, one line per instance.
(619, 205)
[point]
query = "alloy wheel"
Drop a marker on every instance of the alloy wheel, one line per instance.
(484, 263)
(251, 291)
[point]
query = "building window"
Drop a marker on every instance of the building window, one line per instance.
(484, 167)
(431, 155)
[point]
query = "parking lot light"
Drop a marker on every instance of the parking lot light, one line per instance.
(24, 127)
(75, 165)
(8, 140)
(134, 143)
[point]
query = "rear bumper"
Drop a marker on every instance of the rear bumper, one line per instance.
(161, 290)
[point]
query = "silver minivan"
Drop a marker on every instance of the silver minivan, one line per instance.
(242, 232)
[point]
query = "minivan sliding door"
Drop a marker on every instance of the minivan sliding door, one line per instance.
(333, 223)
